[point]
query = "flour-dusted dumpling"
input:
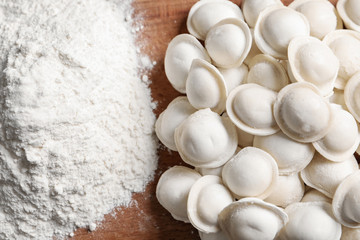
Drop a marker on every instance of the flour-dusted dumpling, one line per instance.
(252, 172)
(325, 175)
(252, 218)
(345, 44)
(206, 87)
(288, 189)
(291, 156)
(349, 11)
(205, 139)
(346, 204)
(204, 15)
(311, 60)
(310, 220)
(250, 108)
(176, 112)
(234, 76)
(352, 97)
(302, 113)
(343, 138)
(275, 28)
(207, 198)
(267, 72)
(228, 43)
(321, 14)
(173, 189)
(252, 9)
(180, 53)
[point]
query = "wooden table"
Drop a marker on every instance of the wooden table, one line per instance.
(145, 219)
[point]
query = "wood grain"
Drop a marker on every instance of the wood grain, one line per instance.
(145, 219)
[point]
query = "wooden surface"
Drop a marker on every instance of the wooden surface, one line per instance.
(145, 219)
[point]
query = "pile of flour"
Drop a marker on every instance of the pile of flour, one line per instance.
(76, 120)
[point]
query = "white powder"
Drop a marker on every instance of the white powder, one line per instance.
(76, 118)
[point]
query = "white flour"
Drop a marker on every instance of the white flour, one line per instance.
(76, 119)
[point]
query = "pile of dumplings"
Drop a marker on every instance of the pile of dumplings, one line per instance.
(268, 118)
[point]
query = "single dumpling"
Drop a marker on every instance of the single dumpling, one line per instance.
(252, 218)
(302, 113)
(205, 139)
(276, 27)
(310, 220)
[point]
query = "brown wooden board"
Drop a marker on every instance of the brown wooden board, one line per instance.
(145, 219)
